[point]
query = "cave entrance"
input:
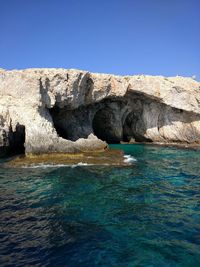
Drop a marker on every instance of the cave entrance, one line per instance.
(58, 117)
(106, 126)
(17, 140)
(134, 128)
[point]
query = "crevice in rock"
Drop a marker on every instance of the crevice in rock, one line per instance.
(17, 140)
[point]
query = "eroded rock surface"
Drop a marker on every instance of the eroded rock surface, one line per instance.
(58, 110)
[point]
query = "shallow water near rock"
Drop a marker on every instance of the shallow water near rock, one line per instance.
(145, 214)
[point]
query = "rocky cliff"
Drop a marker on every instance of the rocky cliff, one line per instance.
(58, 110)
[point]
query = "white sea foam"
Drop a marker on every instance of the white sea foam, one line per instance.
(129, 159)
(81, 164)
(44, 166)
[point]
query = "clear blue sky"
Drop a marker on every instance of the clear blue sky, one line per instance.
(158, 37)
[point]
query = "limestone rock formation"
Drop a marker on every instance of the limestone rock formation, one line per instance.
(58, 110)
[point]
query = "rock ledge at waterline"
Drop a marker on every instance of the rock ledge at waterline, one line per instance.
(59, 110)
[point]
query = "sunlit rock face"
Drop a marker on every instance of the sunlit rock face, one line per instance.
(58, 110)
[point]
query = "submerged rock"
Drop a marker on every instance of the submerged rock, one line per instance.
(110, 157)
(58, 110)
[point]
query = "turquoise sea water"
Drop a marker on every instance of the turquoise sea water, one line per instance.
(147, 214)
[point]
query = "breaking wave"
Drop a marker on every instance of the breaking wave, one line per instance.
(129, 159)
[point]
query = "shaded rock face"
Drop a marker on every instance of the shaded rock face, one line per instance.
(57, 110)
(132, 117)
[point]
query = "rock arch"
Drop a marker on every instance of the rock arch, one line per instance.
(107, 125)
(134, 128)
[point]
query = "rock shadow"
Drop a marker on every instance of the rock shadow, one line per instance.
(17, 140)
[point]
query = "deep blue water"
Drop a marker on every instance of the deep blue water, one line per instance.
(147, 214)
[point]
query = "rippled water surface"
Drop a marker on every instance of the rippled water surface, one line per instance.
(147, 214)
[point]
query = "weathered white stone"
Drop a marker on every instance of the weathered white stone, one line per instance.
(53, 102)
